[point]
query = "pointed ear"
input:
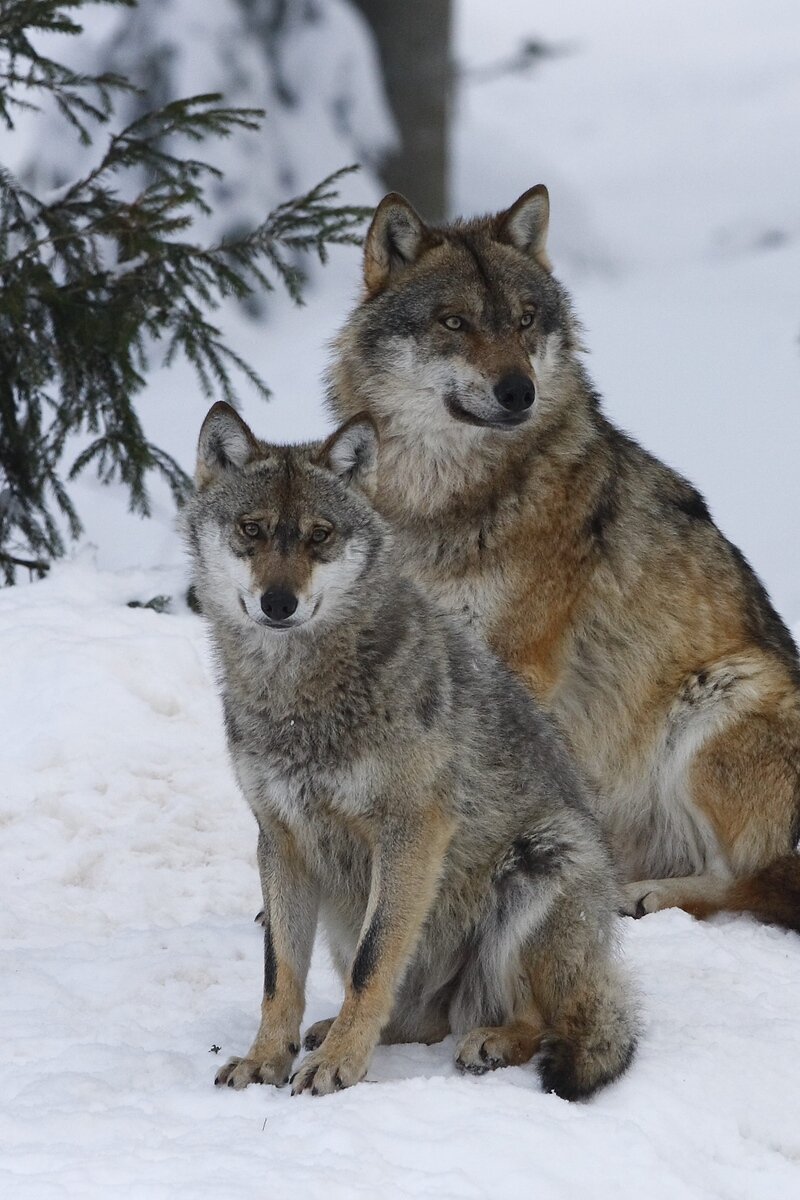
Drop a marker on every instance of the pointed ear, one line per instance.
(226, 443)
(351, 452)
(524, 225)
(396, 238)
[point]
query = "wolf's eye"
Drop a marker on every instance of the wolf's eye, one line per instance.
(250, 528)
(320, 534)
(453, 323)
(526, 320)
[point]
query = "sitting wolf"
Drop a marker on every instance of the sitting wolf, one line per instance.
(406, 787)
(593, 570)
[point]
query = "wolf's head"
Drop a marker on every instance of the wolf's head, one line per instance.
(281, 536)
(462, 332)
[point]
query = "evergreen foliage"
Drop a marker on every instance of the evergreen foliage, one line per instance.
(90, 276)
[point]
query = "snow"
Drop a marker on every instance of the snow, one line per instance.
(667, 136)
(129, 950)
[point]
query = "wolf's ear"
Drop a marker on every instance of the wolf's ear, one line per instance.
(396, 238)
(225, 443)
(351, 452)
(524, 225)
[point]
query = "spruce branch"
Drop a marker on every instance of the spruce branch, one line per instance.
(94, 275)
(25, 70)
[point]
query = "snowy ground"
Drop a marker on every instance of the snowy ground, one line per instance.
(127, 948)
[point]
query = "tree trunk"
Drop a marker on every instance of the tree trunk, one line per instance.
(414, 44)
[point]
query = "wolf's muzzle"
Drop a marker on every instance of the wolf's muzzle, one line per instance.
(278, 604)
(515, 393)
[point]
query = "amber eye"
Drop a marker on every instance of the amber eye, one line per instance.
(250, 529)
(453, 323)
(319, 534)
(526, 320)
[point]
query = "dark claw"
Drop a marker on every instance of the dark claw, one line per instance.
(258, 919)
(293, 1048)
(470, 1068)
(641, 911)
(337, 1082)
(230, 1081)
(308, 1082)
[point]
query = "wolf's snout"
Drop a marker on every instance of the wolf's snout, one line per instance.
(515, 393)
(278, 603)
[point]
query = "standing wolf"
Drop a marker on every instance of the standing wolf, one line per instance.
(405, 785)
(591, 568)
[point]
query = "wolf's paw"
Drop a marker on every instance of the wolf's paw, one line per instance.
(324, 1072)
(643, 897)
(487, 1048)
(239, 1072)
(316, 1034)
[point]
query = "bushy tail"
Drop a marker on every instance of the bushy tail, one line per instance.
(772, 895)
(593, 1038)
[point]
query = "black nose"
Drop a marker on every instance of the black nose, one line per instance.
(278, 603)
(515, 393)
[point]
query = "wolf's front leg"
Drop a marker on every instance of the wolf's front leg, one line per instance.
(291, 904)
(406, 865)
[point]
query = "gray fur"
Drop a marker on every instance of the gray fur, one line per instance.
(352, 722)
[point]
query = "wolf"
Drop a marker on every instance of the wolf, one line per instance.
(592, 569)
(407, 790)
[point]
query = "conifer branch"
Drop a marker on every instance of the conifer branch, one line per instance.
(89, 279)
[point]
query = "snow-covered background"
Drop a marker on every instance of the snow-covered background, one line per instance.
(667, 133)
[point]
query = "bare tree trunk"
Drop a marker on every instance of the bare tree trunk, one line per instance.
(413, 39)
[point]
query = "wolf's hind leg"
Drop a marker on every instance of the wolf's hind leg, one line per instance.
(692, 893)
(541, 972)
(745, 781)
(493, 1007)
(585, 999)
